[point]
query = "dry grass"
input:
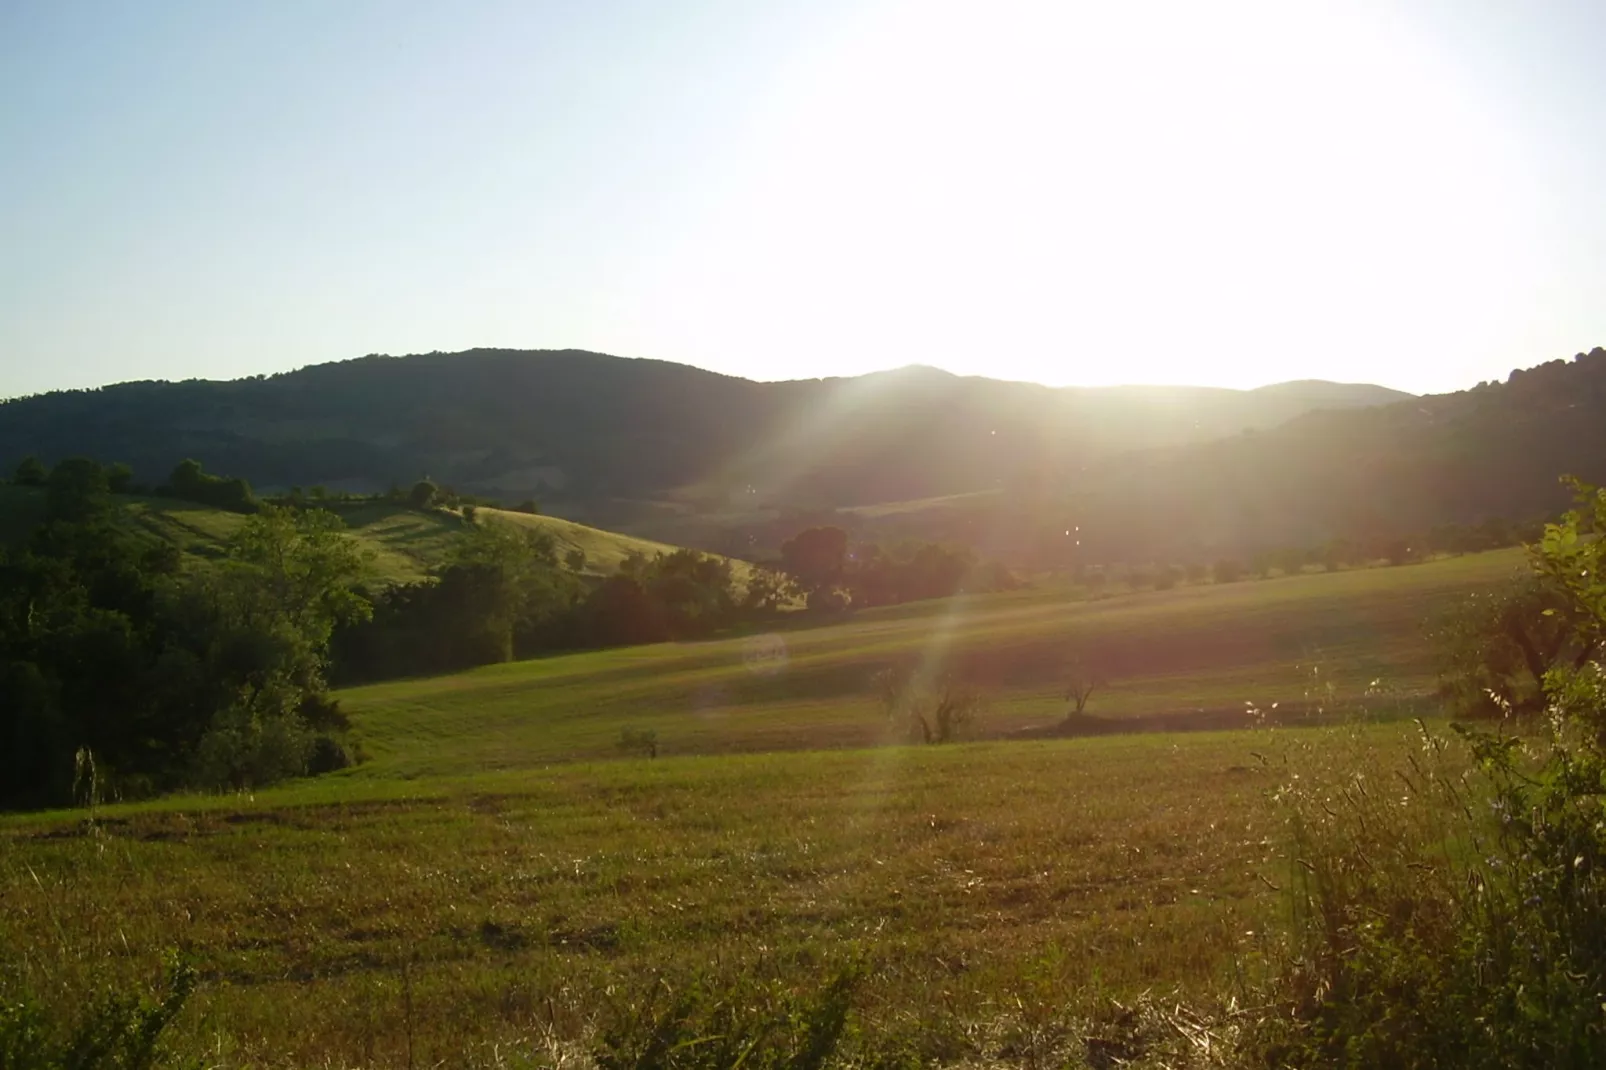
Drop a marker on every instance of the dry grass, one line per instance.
(984, 888)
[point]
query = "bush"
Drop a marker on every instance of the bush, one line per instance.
(251, 744)
(641, 742)
(117, 1032)
(423, 495)
(1227, 571)
(1463, 922)
(939, 711)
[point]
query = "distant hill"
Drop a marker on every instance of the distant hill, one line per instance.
(402, 543)
(598, 437)
(680, 455)
(1497, 450)
(1378, 473)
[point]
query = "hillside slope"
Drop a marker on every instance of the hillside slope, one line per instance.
(1497, 450)
(580, 430)
(1351, 642)
(1025, 473)
(402, 543)
(1368, 476)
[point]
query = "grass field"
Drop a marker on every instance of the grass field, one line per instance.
(990, 892)
(1330, 640)
(604, 550)
(485, 891)
(402, 543)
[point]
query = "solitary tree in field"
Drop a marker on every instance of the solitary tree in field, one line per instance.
(423, 494)
(1083, 677)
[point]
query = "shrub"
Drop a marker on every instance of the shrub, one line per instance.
(1227, 571)
(423, 495)
(1463, 922)
(641, 742)
(116, 1032)
(937, 711)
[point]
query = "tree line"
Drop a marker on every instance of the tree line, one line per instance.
(127, 669)
(124, 672)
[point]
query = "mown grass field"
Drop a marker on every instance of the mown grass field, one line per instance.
(485, 891)
(1334, 642)
(990, 893)
(401, 543)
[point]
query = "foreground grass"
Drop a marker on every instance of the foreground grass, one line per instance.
(1330, 642)
(413, 923)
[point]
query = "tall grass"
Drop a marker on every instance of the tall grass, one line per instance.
(1452, 912)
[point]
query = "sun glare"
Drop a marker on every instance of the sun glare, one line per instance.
(1105, 193)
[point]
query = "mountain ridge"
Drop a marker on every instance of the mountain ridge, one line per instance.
(577, 427)
(695, 457)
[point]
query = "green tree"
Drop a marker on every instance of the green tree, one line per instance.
(31, 472)
(119, 478)
(1227, 571)
(423, 495)
(191, 482)
(1463, 921)
(1497, 648)
(259, 629)
(816, 559)
(77, 489)
(767, 590)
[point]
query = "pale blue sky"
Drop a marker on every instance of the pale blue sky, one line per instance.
(1231, 194)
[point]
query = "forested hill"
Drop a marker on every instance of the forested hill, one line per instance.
(1495, 451)
(578, 429)
(696, 458)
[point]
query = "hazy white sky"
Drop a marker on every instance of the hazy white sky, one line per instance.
(1231, 193)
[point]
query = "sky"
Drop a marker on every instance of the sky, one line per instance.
(1076, 193)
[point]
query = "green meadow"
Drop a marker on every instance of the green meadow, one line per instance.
(1319, 644)
(498, 881)
(402, 544)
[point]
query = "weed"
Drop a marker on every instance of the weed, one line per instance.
(115, 1032)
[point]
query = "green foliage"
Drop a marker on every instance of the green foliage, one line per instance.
(1465, 922)
(76, 489)
(190, 482)
(30, 472)
(720, 1024)
(119, 478)
(816, 558)
(638, 742)
(1497, 647)
(164, 676)
(423, 494)
(913, 571)
(499, 594)
(695, 590)
(115, 1032)
(767, 590)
